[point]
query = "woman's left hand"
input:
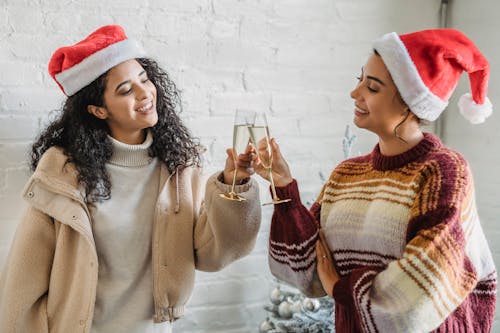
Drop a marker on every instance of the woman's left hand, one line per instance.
(244, 163)
(326, 271)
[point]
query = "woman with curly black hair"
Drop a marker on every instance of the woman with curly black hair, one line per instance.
(119, 213)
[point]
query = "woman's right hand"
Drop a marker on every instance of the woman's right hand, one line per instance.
(281, 172)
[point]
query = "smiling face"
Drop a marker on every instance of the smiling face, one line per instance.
(129, 102)
(377, 105)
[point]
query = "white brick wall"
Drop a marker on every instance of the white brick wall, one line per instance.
(479, 144)
(296, 59)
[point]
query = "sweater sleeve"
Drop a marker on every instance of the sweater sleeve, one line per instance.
(226, 230)
(445, 264)
(24, 280)
(292, 241)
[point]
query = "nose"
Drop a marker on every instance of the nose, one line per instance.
(142, 92)
(354, 93)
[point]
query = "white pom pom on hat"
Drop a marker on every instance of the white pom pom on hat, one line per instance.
(475, 113)
(74, 67)
(426, 66)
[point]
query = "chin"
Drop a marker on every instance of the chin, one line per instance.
(154, 120)
(357, 123)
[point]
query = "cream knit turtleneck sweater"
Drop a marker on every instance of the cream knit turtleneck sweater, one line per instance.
(122, 229)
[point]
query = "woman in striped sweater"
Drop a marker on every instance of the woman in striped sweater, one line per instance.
(394, 236)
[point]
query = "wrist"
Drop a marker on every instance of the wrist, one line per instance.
(283, 182)
(225, 178)
(228, 179)
(333, 286)
(242, 181)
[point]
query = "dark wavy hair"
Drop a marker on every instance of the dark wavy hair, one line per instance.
(421, 122)
(84, 137)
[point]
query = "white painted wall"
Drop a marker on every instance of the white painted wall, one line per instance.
(296, 59)
(480, 143)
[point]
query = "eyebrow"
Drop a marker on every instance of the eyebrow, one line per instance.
(375, 79)
(372, 77)
(128, 81)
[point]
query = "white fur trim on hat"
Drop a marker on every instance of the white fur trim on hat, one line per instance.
(80, 75)
(421, 101)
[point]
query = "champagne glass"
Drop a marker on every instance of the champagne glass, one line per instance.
(243, 119)
(259, 133)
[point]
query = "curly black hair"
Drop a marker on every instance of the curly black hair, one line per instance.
(84, 137)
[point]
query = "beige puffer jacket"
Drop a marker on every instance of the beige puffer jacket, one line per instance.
(49, 280)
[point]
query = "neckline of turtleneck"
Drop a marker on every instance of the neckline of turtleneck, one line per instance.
(383, 162)
(131, 155)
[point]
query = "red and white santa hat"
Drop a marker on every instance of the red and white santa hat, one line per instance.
(426, 67)
(74, 67)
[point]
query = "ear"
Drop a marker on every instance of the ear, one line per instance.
(98, 111)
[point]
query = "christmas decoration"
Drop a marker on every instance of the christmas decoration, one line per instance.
(309, 304)
(292, 312)
(276, 296)
(75, 66)
(348, 141)
(266, 326)
(285, 310)
(426, 66)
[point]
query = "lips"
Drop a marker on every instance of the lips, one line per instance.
(359, 110)
(146, 108)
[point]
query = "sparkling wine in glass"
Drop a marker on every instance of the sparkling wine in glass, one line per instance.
(259, 134)
(243, 119)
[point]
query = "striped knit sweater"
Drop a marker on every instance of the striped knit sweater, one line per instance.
(405, 238)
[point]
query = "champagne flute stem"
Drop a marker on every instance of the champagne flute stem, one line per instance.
(234, 177)
(273, 188)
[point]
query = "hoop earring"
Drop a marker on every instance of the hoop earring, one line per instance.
(398, 125)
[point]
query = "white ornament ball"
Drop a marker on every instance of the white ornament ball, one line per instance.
(266, 326)
(276, 296)
(285, 310)
(310, 304)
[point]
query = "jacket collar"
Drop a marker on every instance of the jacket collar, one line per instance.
(53, 189)
(55, 172)
(55, 175)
